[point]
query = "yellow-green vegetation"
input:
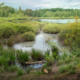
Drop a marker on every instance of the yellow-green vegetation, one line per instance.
(37, 54)
(23, 56)
(28, 36)
(52, 28)
(10, 32)
(71, 35)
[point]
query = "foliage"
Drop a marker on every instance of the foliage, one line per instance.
(10, 41)
(23, 28)
(49, 59)
(37, 54)
(70, 36)
(63, 69)
(7, 31)
(52, 28)
(71, 72)
(13, 68)
(28, 36)
(43, 67)
(22, 56)
(7, 11)
(38, 73)
(20, 72)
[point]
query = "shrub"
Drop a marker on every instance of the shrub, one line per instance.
(63, 69)
(68, 60)
(38, 73)
(11, 55)
(37, 54)
(28, 36)
(22, 56)
(3, 60)
(23, 29)
(10, 41)
(60, 62)
(43, 67)
(49, 59)
(28, 70)
(13, 68)
(52, 28)
(20, 72)
(71, 72)
(54, 51)
(7, 31)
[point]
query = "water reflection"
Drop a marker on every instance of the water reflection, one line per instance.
(60, 21)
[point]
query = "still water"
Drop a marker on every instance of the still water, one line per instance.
(60, 21)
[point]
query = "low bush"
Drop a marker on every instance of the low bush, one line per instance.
(20, 72)
(38, 73)
(54, 51)
(28, 36)
(49, 60)
(7, 31)
(71, 72)
(24, 28)
(52, 28)
(60, 62)
(10, 41)
(13, 68)
(63, 69)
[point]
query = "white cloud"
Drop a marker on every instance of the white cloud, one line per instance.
(33, 4)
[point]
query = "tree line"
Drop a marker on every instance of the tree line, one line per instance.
(8, 11)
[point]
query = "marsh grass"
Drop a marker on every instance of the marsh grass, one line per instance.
(71, 72)
(13, 68)
(37, 54)
(49, 59)
(22, 56)
(63, 69)
(20, 72)
(54, 51)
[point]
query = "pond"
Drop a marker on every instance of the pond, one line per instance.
(41, 44)
(59, 21)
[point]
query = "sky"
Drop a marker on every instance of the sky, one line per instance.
(40, 4)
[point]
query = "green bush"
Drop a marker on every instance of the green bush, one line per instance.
(71, 72)
(10, 41)
(60, 62)
(28, 36)
(23, 29)
(38, 73)
(54, 51)
(68, 60)
(13, 68)
(43, 67)
(51, 28)
(37, 54)
(20, 72)
(49, 59)
(63, 69)
(7, 31)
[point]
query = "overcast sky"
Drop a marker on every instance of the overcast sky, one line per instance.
(39, 4)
